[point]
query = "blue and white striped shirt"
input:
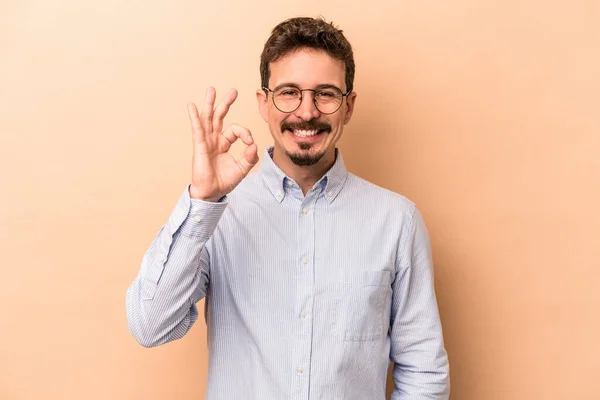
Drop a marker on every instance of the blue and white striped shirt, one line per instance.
(308, 297)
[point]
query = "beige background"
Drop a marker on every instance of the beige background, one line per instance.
(485, 113)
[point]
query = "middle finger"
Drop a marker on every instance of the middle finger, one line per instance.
(222, 109)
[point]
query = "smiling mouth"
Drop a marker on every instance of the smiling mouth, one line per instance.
(307, 133)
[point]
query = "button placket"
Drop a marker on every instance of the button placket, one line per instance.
(305, 290)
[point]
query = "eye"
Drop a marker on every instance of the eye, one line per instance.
(326, 95)
(289, 93)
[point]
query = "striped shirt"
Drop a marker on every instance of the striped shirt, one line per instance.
(308, 297)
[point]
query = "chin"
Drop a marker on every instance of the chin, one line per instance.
(306, 159)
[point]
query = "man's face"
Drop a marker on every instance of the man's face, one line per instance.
(306, 136)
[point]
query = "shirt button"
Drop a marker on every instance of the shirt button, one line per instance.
(197, 218)
(162, 259)
(304, 260)
(305, 210)
(303, 314)
(300, 370)
(330, 193)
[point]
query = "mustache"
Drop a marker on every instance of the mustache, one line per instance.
(312, 125)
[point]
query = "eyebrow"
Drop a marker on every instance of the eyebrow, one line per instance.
(322, 86)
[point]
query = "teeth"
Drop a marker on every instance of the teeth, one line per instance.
(303, 133)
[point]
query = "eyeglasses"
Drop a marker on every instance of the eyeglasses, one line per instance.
(327, 99)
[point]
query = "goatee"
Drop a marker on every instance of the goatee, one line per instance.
(300, 158)
(305, 160)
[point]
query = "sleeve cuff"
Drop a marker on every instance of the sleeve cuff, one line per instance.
(202, 216)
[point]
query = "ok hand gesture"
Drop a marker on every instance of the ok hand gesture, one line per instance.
(215, 172)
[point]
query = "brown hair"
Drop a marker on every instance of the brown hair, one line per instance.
(305, 32)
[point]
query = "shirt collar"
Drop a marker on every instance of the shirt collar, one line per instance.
(275, 179)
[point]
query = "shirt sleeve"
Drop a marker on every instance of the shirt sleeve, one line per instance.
(174, 273)
(421, 369)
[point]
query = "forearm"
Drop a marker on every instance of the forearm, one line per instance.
(429, 382)
(162, 311)
(421, 369)
(173, 276)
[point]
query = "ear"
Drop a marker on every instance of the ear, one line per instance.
(350, 99)
(263, 104)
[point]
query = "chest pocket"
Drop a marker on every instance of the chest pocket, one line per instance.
(362, 307)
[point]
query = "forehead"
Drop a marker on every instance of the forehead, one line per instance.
(308, 68)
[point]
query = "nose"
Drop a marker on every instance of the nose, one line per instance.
(307, 110)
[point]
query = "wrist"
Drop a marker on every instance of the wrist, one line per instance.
(194, 194)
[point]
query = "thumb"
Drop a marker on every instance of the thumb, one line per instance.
(249, 159)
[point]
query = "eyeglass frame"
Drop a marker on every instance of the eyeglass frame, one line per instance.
(266, 89)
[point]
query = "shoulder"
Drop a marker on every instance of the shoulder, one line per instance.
(363, 190)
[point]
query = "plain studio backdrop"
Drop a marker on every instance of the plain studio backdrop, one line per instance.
(484, 113)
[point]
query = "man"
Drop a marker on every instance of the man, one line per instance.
(314, 278)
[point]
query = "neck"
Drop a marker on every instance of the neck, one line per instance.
(304, 176)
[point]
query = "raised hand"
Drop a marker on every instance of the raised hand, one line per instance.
(215, 172)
